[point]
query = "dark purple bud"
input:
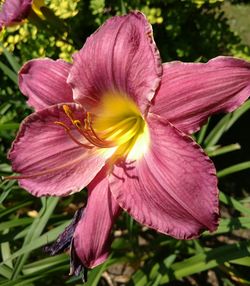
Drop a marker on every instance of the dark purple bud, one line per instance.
(65, 242)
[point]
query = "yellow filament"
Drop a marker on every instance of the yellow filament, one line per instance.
(124, 135)
(117, 126)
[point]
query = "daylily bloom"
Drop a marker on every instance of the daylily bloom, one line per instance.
(117, 121)
(15, 11)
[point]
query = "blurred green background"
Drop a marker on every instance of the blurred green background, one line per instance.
(194, 31)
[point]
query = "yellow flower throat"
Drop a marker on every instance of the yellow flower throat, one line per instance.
(115, 123)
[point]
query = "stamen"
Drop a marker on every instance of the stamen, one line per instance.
(105, 131)
(93, 131)
(86, 125)
(127, 132)
(68, 131)
(62, 124)
(124, 149)
(119, 125)
(96, 142)
(86, 131)
(89, 119)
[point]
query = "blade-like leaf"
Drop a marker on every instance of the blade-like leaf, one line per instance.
(227, 200)
(228, 225)
(15, 223)
(222, 150)
(12, 60)
(35, 231)
(12, 75)
(233, 169)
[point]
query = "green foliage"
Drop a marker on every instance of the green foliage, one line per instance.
(194, 30)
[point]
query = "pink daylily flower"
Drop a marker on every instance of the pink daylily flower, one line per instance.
(117, 121)
(14, 11)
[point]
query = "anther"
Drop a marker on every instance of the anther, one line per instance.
(68, 112)
(78, 124)
(86, 130)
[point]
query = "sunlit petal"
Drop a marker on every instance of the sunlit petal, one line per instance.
(173, 188)
(191, 92)
(43, 81)
(120, 56)
(14, 11)
(49, 162)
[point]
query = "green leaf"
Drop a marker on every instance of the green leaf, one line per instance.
(5, 271)
(155, 270)
(123, 8)
(7, 188)
(216, 133)
(195, 264)
(202, 132)
(244, 261)
(12, 75)
(45, 263)
(238, 113)
(40, 241)
(5, 251)
(10, 210)
(217, 150)
(35, 231)
(140, 278)
(14, 223)
(227, 200)
(208, 260)
(5, 167)
(233, 169)
(9, 126)
(12, 60)
(224, 124)
(96, 274)
(228, 225)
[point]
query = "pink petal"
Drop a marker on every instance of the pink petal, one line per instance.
(14, 11)
(191, 92)
(43, 81)
(49, 161)
(173, 188)
(92, 235)
(120, 56)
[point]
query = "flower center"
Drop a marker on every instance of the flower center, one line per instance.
(115, 123)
